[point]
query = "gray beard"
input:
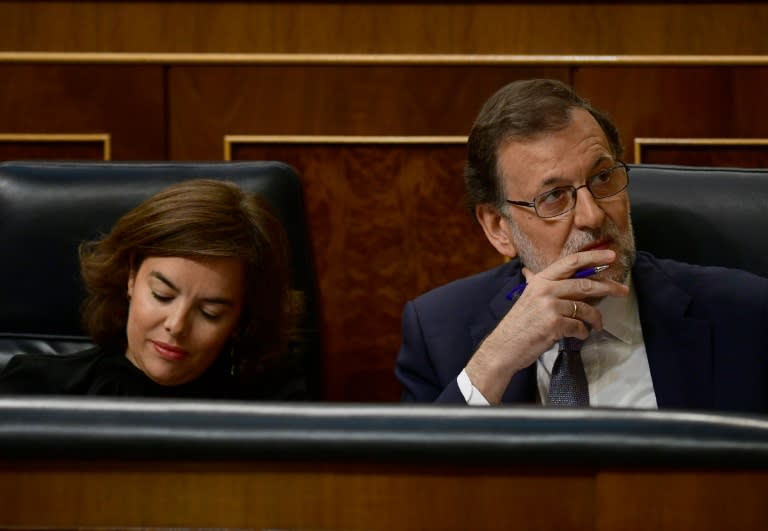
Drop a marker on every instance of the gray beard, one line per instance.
(531, 257)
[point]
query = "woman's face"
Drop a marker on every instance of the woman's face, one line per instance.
(181, 314)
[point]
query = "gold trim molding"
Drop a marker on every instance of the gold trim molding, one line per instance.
(640, 142)
(103, 138)
(231, 140)
(375, 59)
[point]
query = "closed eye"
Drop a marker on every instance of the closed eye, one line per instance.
(210, 316)
(162, 298)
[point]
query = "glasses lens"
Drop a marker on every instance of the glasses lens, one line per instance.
(608, 182)
(554, 202)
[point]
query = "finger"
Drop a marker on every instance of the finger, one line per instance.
(528, 274)
(588, 288)
(581, 313)
(567, 266)
(576, 329)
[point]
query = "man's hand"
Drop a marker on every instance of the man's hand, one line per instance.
(543, 315)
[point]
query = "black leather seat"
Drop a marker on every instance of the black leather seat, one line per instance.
(702, 215)
(47, 209)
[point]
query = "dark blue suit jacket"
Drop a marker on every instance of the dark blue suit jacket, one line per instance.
(705, 332)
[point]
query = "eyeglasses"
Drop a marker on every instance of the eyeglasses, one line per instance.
(558, 201)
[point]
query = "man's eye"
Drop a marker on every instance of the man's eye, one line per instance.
(602, 177)
(553, 196)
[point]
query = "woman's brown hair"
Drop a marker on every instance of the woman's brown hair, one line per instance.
(195, 218)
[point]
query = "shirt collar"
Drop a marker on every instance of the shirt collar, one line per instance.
(620, 315)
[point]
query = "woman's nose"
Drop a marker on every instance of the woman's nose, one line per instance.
(174, 321)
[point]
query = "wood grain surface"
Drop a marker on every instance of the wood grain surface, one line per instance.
(334, 496)
(386, 27)
(125, 102)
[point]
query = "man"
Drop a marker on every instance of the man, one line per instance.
(545, 181)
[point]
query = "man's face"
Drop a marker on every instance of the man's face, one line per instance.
(566, 157)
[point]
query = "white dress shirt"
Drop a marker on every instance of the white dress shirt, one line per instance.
(614, 358)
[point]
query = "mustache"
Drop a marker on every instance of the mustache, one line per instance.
(582, 238)
(624, 241)
(609, 231)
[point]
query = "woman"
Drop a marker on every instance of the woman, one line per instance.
(188, 296)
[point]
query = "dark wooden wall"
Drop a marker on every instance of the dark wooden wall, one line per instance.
(370, 101)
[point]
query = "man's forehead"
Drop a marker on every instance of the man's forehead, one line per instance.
(565, 153)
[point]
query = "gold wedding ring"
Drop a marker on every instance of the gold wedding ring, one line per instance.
(575, 309)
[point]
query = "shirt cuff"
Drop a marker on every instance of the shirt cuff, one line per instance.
(472, 396)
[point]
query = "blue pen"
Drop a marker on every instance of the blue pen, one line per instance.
(588, 272)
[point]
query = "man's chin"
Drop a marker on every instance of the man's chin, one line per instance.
(618, 272)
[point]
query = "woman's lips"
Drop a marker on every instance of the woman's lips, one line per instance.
(169, 352)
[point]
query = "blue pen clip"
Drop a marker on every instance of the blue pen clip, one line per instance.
(588, 272)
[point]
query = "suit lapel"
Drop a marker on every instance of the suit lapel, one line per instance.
(678, 346)
(522, 385)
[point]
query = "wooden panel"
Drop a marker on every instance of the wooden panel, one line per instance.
(388, 223)
(292, 496)
(124, 102)
(387, 27)
(687, 102)
(54, 147)
(208, 103)
(744, 153)
(681, 500)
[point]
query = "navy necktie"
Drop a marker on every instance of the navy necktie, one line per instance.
(568, 385)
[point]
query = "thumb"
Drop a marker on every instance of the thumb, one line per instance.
(528, 274)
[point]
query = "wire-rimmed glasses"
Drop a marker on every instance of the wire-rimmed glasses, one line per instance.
(558, 201)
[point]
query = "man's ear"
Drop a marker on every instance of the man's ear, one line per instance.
(496, 229)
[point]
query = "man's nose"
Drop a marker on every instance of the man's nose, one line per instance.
(587, 214)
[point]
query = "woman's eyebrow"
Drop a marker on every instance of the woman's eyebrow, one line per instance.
(208, 300)
(162, 278)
